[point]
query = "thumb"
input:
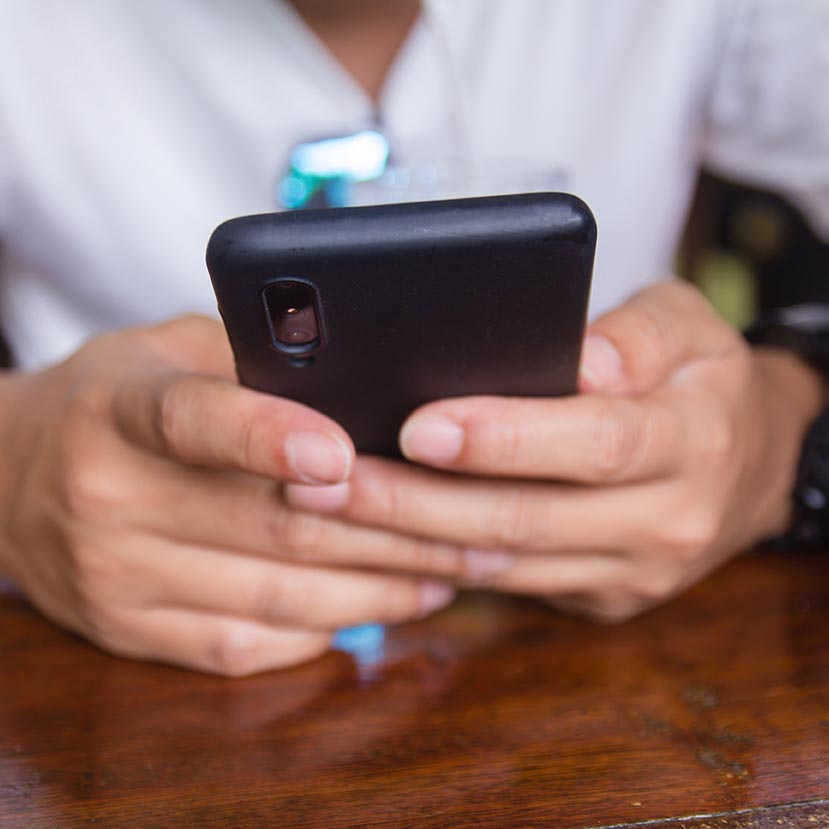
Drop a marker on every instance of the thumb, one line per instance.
(638, 346)
(194, 343)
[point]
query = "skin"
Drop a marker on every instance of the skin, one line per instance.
(152, 505)
(140, 507)
(364, 36)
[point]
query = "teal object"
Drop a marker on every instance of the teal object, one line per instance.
(321, 172)
(366, 643)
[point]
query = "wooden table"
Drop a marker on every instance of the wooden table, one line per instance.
(713, 711)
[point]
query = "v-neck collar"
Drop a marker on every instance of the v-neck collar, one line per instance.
(318, 59)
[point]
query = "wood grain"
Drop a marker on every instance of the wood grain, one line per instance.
(495, 713)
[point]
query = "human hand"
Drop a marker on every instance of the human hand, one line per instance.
(140, 507)
(680, 452)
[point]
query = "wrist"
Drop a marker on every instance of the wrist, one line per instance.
(793, 395)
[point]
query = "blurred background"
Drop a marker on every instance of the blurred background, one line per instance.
(750, 250)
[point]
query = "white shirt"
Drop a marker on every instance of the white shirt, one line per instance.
(128, 130)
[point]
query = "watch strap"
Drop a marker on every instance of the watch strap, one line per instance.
(810, 519)
(803, 329)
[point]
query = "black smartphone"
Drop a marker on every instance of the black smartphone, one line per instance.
(366, 313)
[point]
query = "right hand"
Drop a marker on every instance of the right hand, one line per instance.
(140, 506)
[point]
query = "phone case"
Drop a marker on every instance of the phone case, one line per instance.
(414, 302)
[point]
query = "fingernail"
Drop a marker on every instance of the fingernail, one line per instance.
(434, 595)
(317, 498)
(433, 440)
(481, 564)
(317, 458)
(601, 363)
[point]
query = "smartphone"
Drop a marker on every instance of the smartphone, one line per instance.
(366, 313)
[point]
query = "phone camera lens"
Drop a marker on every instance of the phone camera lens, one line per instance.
(298, 326)
(293, 316)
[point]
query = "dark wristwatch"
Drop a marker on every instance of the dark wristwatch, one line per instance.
(804, 329)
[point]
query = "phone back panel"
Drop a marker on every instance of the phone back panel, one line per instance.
(415, 301)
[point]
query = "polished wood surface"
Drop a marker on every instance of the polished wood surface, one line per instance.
(495, 713)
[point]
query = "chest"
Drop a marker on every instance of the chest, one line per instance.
(172, 121)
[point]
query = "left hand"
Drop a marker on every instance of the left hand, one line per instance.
(680, 452)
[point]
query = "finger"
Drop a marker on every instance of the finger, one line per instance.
(594, 439)
(635, 348)
(562, 574)
(245, 514)
(205, 421)
(602, 587)
(216, 644)
(484, 513)
(284, 594)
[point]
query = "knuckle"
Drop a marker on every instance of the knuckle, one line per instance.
(106, 627)
(248, 447)
(89, 492)
(435, 558)
(390, 502)
(298, 533)
(177, 414)
(84, 420)
(618, 437)
(511, 523)
(691, 536)
(88, 402)
(232, 652)
(273, 523)
(91, 571)
(497, 441)
(718, 443)
(112, 641)
(655, 340)
(283, 598)
(91, 481)
(167, 414)
(106, 342)
(93, 579)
